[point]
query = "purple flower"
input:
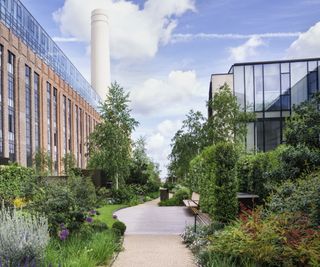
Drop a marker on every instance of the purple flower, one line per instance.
(62, 226)
(89, 220)
(63, 234)
(92, 212)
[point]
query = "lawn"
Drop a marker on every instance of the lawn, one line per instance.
(106, 213)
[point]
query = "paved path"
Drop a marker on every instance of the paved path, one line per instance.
(152, 237)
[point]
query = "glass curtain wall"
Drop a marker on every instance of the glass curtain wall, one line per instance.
(11, 106)
(270, 90)
(28, 115)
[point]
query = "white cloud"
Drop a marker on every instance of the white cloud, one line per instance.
(175, 94)
(168, 128)
(307, 45)
(246, 50)
(134, 32)
(185, 37)
(158, 142)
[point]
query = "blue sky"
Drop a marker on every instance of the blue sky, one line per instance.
(164, 51)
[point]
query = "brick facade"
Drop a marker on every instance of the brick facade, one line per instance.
(25, 56)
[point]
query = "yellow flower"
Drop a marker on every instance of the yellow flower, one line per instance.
(19, 202)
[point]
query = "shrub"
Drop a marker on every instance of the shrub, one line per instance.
(286, 239)
(302, 196)
(122, 195)
(178, 197)
(294, 161)
(225, 205)
(83, 191)
(16, 181)
(120, 227)
(58, 204)
(99, 226)
(253, 170)
(102, 195)
(23, 237)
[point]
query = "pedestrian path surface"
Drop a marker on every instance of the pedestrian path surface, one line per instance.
(152, 237)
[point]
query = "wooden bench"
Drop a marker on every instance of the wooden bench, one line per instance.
(193, 204)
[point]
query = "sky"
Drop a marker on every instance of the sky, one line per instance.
(164, 51)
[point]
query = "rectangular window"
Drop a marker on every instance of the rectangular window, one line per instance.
(69, 126)
(271, 80)
(49, 118)
(81, 135)
(37, 110)
(55, 129)
(65, 137)
(28, 115)
(272, 134)
(299, 84)
(239, 85)
(258, 86)
(1, 114)
(249, 88)
(11, 106)
(77, 136)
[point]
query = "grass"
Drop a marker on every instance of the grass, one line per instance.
(85, 251)
(106, 213)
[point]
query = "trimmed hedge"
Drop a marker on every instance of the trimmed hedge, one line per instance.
(215, 175)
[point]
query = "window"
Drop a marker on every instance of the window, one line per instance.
(299, 90)
(272, 87)
(1, 114)
(272, 134)
(55, 130)
(37, 110)
(28, 115)
(65, 137)
(77, 136)
(258, 86)
(69, 125)
(312, 83)
(11, 106)
(239, 85)
(49, 118)
(249, 88)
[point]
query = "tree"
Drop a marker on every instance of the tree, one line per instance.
(186, 144)
(228, 122)
(303, 127)
(143, 170)
(42, 163)
(110, 143)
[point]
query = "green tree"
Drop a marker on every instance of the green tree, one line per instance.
(186, 144)
(110, 143)
(228, 122)
(303, 127)
(42, 163)
(143, 170)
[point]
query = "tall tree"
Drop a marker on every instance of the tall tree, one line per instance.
(303, 127)
(228, 122)
(110, 143)
(186, 144)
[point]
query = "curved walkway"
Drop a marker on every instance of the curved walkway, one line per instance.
(152, 237)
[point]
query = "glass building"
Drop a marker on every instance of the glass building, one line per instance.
(44, 99)
(270, 90)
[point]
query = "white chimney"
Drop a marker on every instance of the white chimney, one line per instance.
(100, 52)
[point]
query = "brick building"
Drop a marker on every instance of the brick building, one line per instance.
(45, 103)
